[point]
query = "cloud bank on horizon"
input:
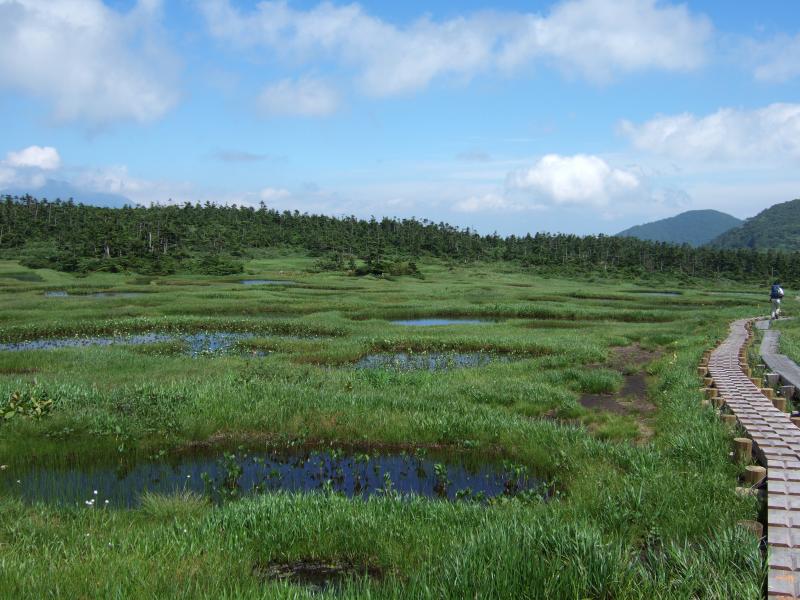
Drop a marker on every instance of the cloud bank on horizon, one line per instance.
(573, 115)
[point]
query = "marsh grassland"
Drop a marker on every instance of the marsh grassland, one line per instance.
(548, 443)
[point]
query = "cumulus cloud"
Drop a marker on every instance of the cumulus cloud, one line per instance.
(87, 61)
(302, 97)
(769, 133)
(580, 179)
(584, 183)
(29, 166)
(599, 38)
(45, 158)
(595, 38)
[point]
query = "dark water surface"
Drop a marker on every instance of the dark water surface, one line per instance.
(430, 361)
(265, 282)
(115, 294)
(63, 294)
(228, 476)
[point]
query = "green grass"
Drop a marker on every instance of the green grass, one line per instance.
(637, 516)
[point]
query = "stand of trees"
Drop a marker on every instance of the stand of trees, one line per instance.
(211, 239)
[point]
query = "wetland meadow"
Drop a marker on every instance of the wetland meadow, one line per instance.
(470, 432)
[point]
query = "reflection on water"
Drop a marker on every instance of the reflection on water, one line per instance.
(266, 282)
(115, 294)
(430, 361)
(197, 343)
(225, 476)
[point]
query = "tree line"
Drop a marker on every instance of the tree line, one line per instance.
(209, 238)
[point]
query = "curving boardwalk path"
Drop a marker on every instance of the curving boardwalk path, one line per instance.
(777, 443)
(788, 370)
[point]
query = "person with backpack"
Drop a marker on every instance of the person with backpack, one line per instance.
(775, 295)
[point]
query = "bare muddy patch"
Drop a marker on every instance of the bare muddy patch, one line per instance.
(317, 575)
(632, 398)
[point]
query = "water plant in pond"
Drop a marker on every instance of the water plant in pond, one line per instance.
(31, 403)
(233, 475)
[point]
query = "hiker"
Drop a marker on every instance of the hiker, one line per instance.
(775, 295)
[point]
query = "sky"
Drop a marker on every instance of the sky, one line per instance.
(577, 116)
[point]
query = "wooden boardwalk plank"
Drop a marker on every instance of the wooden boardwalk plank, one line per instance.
(778, 443)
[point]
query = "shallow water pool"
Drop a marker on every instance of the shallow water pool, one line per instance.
(225, 475)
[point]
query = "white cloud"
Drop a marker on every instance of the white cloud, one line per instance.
(580, 179)
(302, 97)
(777, 60)
(45, 158)
(86, 60)
(771, 133)
(28, 167)
(272, 194)
(599, 38)
(596, 38)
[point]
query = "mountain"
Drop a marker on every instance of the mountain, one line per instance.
(777, 227)
(694, 227)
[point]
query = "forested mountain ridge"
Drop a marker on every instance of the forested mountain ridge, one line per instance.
(694, 227)
(211, 239)
(777, 227)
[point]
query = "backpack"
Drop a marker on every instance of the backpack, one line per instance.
(776, 292)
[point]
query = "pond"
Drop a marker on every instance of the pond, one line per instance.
(227, 476)
(63, 294)
(265, 282)
(197, 343)
(115, 294)
(429, 361)
(438, 322)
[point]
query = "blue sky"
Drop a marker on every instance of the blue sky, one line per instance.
(581, 116)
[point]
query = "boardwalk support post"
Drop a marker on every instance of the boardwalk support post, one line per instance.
(743, 449)
(754, 474)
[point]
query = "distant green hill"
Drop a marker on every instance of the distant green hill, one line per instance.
(776, 227)
(694, 227)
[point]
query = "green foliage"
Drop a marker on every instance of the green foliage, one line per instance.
(214, 264)
(776, 228)
(161, 240)
(31, 403)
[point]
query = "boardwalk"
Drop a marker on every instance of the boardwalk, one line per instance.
(778, 363)
(777, 443)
